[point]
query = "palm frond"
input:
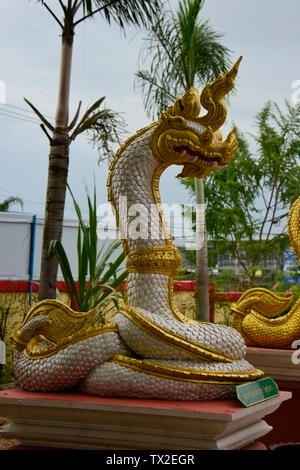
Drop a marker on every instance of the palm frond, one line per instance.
(5, 205)
(122, 12)
(180, 51)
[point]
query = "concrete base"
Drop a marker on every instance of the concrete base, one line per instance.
(76, 421)
(278, 364)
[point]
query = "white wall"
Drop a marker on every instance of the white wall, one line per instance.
(15, 234)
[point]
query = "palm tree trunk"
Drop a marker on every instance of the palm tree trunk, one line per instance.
(57, 170)
(202, 293)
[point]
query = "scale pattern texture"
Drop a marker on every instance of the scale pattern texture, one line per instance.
(150, 351)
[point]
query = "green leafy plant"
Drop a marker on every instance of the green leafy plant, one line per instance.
(248, 201)
(98, 276)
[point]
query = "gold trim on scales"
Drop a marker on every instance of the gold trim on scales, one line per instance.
(182, 343)
(182, 374)
(56, 327)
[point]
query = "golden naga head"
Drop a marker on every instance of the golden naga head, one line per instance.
(182, 137)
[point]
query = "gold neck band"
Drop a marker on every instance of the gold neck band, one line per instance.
(163, 259)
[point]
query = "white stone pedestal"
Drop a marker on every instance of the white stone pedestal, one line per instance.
(76, 421)
(277, 363)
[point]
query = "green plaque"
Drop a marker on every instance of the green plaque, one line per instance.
(252, 393)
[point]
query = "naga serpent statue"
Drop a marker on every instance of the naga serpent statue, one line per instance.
(149, 350)
(259, 313)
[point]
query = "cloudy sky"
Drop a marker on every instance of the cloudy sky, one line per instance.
(265, 32)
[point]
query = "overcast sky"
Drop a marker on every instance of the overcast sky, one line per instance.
(265, 32)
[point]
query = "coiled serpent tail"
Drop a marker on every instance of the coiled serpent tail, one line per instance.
(150, 350)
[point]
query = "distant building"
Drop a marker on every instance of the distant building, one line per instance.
(268, 264)
(226, 261)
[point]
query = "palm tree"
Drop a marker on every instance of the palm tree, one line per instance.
(69, 14)
(184, 52)
(5, 205)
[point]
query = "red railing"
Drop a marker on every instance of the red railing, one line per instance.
(183, 286)
(214, 296)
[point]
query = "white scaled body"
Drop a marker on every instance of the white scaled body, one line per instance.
(150, 350)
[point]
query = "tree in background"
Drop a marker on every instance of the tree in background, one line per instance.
(69, 14)
(10, 201)
(248, 201)
(183, 52)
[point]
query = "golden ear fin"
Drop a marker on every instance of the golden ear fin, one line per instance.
(212, 98)
(187, 106)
